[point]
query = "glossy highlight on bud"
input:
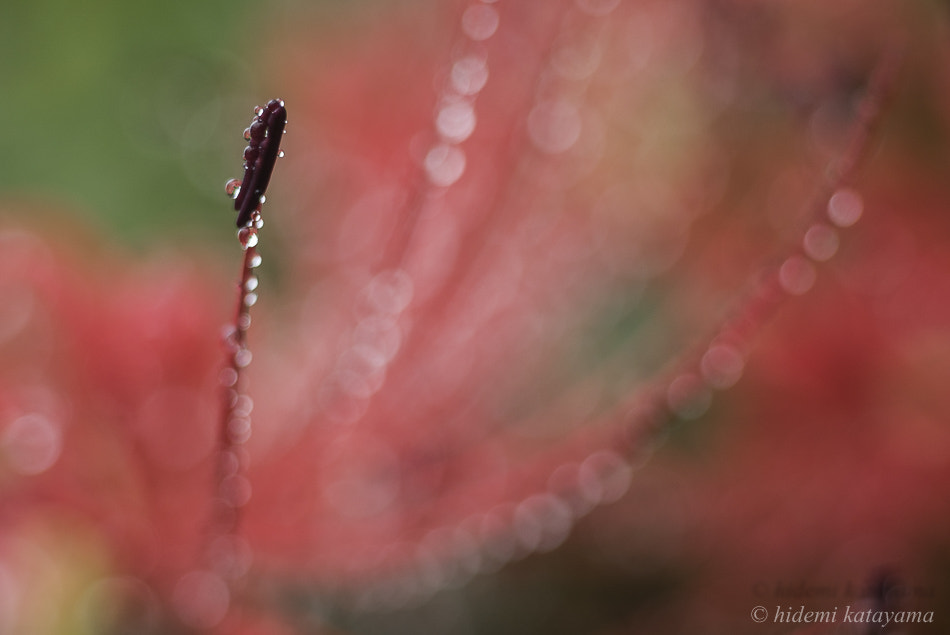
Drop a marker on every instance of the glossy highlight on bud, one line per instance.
(263, 136)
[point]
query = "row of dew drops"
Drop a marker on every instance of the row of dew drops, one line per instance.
(448, 557)
(202, 597)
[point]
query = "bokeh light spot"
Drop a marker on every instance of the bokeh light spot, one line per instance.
(201, 599)
(845, 207)
(797, 275)
(479, 22)
(32, 444)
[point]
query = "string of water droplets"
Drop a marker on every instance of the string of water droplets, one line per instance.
(449, 556)
(263, 136)
(360, 371)
(555, 137)
(554, 130)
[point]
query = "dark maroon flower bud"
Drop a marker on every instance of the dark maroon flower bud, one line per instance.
(264, 135)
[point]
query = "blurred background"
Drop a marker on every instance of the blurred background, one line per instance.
(127, 114)
(498, 230)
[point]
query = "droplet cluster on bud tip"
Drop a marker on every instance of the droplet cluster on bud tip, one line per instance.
(263, 150)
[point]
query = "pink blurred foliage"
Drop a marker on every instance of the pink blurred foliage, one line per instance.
(109, 398)
(446, 342)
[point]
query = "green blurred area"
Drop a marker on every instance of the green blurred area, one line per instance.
(129, 114)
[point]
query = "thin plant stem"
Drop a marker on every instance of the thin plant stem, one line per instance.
(235, 414)
(225, 551)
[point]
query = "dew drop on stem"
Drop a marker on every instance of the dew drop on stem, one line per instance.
(248, 237)
(242, 358)
(228, 377)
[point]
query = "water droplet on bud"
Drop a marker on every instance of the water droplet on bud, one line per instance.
(257, 131)
(232, 188)
(251, 283)
(280, 154)
(247, 134)
(255, 261)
